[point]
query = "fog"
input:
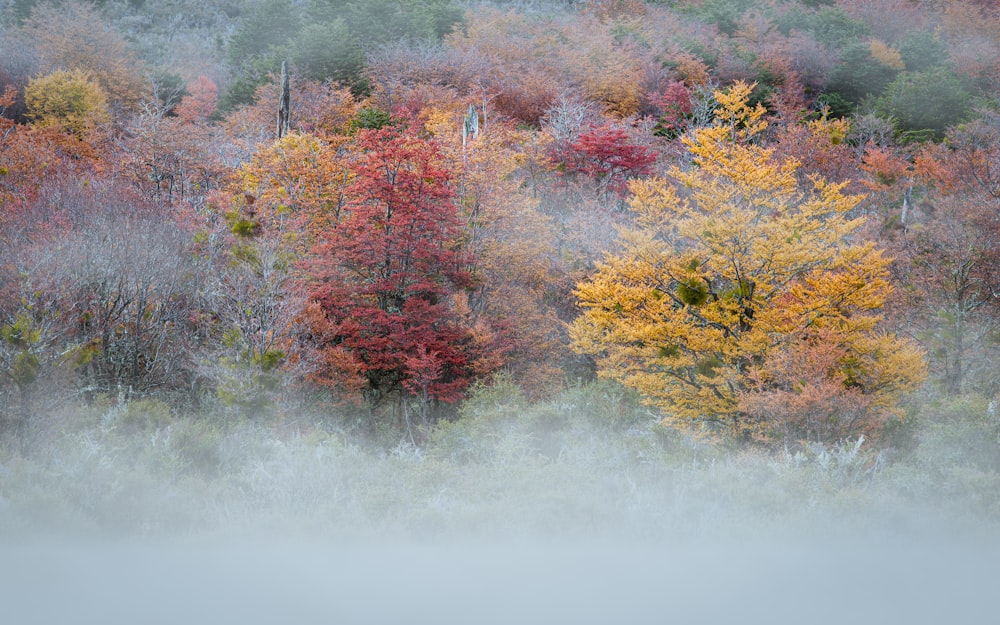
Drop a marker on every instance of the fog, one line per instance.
(269, 580)
(575, 511)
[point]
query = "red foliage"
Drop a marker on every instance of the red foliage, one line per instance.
(607, 155)
(200, 104)
(803, 395)
(385, 274)
(674, 106)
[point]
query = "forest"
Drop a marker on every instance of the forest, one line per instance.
(408, 268)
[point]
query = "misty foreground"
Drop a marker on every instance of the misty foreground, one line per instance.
(576, 510)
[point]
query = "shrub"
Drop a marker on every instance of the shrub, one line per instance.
(70, 101)
(925, 101)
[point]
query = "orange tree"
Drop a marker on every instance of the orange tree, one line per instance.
(732, 267)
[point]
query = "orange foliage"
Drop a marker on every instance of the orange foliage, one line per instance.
(174, 158)
(610, 10)
(820, 146)
(887, 169)
(199, 105)
(510, 242)
(317, 108)
(803, 395)
(32, 159)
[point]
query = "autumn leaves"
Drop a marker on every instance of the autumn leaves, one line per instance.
(736, 285)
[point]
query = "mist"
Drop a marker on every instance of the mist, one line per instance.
(576, 510)
(281, 581)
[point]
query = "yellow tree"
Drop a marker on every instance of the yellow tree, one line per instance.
(728, 269)
(68, 101)
(73, 36)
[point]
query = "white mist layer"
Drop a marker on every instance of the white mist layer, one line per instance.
(299, 582)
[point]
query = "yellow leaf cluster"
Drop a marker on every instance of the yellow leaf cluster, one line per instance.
(886, 55)
(295, 183)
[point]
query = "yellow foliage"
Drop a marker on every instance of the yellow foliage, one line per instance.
(734, 116)
(300, 178)
(886, 55)
(725, 270)
(74, 36)
(71, 101)
(691, 69)
(832, 130)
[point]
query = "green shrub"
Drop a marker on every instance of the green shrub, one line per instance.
(922, 50)
(930, 101)
(142, 417)
(960, 431)
(858, 75)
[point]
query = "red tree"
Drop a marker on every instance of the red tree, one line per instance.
(385, 275)
(608, 156)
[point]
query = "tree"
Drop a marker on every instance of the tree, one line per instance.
(859, 74)
(922, 102)
(608, 156)
(72, 35)
(510, 247)
(947, 253)
(69, 101)
(732, 267)
(175, 157)
(254, 305)
(267, 218)
(387, 274)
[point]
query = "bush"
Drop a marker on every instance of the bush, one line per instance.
(960, 431)
(859, 75)
(70, 101)
(143, 417)
(329, 52)
(926, 101)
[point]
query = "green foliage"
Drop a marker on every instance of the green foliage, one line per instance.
(375, 22)
(245, 228)
(835, 28)
(498, 426)
(858, 75)
(329, 51)
(143, 417)
(22, 339)
(928, 102)
(196, 445)
(922, 50)
(19, 10)
(169, 88)
(836, 105)
(24, 369)
(269, 360)
(725, 14)
(326, 41)
(960, 431)
(258, 47)
(254, 72)
(266, 28)
(586, 460)
(22, 334)
(692, 292)
(369, 118)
